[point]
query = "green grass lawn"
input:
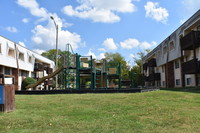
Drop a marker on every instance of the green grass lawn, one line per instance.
(158, 111)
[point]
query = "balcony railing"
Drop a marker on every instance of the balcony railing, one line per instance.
(49, 70)
(189, 66)
(152, 62)
(154, 77)
(145, 66)
(192, 38)
(38, 67)
(146, 78)
(49, 82)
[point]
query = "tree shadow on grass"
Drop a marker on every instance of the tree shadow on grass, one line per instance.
(185, 89)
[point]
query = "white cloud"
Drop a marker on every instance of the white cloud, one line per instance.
(100, 10)
(47, 41)
(22, 44)
(154, 43)
(110, 44)
(25, 20)
(39, 51)
(101, 56)
(11, 29)
(146, 45)
(154, 11)
(44, 36)
(129, 43)
(102, 49)
(134, 43)
(90, 53)
(132, 56)
(34, 8)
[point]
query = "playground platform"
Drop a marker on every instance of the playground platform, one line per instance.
(82, 91)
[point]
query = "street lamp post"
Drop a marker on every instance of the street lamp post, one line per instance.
(56, 48)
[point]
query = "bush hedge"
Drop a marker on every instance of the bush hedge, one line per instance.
(27, 81)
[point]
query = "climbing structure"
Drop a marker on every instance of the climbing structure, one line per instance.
(84, 72)
(69, 78)
(113, 75)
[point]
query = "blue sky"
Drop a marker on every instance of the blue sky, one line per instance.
(94, 26)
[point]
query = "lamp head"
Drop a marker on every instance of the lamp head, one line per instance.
(52, 17)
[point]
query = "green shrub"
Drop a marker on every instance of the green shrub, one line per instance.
(27, 81)
(88, 84)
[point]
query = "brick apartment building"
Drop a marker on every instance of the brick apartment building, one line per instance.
(175, 62)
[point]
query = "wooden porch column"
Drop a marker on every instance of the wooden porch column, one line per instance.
(195, 62)
(182, 74)
(16, 72)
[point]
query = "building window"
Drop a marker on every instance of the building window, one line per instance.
(163, 68)
(21, 56)
(186, 58)
(158, 54)
(176, 64)
(163, 83)
(171, 46)
(164, 50)
(157, 70)
(198, 80)
(1, 69)
(158, 83)
(178, 82)
(24, 73)
(7, 71)
(33, 75)
(198, 28)
(0, 48)
(29, 59)
(11, 52)
(189, 81)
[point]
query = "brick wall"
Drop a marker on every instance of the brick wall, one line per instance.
(169, 73)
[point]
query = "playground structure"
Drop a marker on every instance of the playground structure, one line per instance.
(83, 72)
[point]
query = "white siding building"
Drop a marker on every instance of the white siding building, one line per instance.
(19, 62)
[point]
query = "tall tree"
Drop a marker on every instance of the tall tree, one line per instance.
(136, 70)
(51, 54)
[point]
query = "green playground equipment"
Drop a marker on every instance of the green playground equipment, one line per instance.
(113, 75)
(84, 72)
(69, 69)
(99, 74)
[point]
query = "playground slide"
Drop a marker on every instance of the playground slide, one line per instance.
(41, 80)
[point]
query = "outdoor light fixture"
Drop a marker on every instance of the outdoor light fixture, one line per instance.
(56, 48)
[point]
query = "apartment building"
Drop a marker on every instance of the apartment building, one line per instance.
(175, 62)
(18, 62)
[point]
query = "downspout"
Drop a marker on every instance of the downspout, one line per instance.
(17, 76)
(166, 70)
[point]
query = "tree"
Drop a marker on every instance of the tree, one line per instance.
(118, 58)
(136, 71)
(51, 54)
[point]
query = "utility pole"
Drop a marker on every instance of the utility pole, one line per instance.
(56, 49)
